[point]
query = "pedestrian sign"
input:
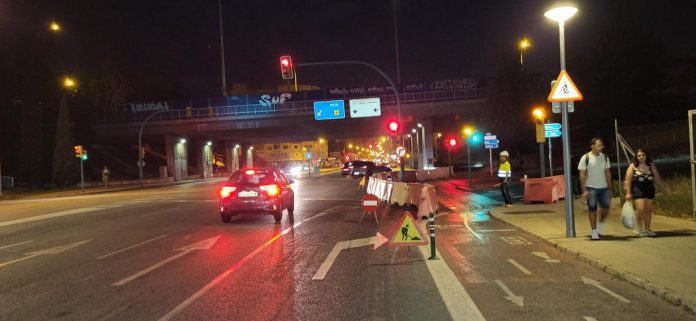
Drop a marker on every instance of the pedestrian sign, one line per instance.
(564, 89)
(408, 233)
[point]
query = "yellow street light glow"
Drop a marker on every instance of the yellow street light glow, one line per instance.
(561, 14)
(524, 44)
(439, 135)
(384, 139)
(468, 131)
(321, 140)
(54, 26)
(539, 113)
(69, 82)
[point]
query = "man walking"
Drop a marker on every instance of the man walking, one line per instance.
(595, 182)
(504, 174)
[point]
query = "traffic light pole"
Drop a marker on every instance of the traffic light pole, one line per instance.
(140, 146)
(82, 174)
(402, 173)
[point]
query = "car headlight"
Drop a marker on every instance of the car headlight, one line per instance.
(295, 170)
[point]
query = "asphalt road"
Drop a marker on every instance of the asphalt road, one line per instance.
(163, 253)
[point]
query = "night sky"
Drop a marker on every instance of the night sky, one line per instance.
(176, 43)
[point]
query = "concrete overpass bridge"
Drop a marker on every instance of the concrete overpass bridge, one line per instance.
(253, 124)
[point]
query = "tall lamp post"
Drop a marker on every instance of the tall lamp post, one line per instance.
(524, 44)
(472, 137)
(424, 155)
(560, 14)
(410, 148)
(418, 159)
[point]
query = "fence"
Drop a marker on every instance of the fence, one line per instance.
(289, 107)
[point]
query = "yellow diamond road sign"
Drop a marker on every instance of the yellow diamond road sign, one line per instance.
(564, 89)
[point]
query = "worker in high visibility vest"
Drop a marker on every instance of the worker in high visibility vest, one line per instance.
(504, 174)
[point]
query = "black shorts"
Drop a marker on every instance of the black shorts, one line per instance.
(643, 190)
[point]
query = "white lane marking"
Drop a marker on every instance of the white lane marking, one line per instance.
(130, 247)
(519, 300)
(465, 218)
(200, 245)
(50, 215)
(515, 240)
(50, 251)
(11, 245)
(605, 290)
(500, 230)
(324, 199)
(520, 267)
(459, 303)
(588, 318)
(236, 266)
(546, 257)
(377, 240)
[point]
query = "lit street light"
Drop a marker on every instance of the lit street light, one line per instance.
(54, 26)
(560, 14)
(69, 82)
(524, 44)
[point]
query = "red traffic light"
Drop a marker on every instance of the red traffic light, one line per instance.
(286, 69)
(452, 142)
(393, 126)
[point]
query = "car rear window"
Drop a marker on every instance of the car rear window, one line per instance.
(258, 178)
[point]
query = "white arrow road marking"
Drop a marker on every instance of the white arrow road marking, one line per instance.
(607, 291)
(131, 247)
(51, 251)
(201, 245)
(519, 300)
(378, 240)
(520, 267)
(15, 244)
(546, 257)
(588, 318)
(465, 218)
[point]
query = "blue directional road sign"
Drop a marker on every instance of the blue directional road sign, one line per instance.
(308, 155)
(552, 126)
(332, 109)
(490, 141)
(552, 133)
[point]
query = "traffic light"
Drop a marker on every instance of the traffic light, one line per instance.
(78, 151)
(286, 69)
(539, 116)
(84, 155)
(475, 138)
(452, 142)
(393, 126)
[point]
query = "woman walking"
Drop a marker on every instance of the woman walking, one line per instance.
(639, 185)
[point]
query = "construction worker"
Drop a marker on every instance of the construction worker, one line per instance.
(504, 174)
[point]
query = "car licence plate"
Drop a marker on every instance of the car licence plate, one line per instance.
(248, 194)
(356, 173)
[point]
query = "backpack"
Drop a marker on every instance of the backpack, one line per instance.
(587, 160)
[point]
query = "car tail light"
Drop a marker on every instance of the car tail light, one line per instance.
(250, 172)
(226, 191)
(272, 190)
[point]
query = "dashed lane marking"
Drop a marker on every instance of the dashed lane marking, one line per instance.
(520, 267)
(15, 244)
(131, 247)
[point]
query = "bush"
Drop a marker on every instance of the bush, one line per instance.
(679, 203)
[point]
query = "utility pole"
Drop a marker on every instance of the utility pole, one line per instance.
(222, 53)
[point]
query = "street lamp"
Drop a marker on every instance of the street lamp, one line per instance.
(182, 141)
(410, 159)
(524, 44)
(423, 155)
(54, 26)
(69, 82)
(417, 163)
(560, 14)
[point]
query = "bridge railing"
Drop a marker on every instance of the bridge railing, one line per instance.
(289, 107)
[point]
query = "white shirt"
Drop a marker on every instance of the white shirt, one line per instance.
(595, 177)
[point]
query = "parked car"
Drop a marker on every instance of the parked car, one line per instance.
(356, 168)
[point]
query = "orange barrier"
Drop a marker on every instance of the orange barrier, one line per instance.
(548, 189)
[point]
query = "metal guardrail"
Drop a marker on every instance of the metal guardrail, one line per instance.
(306, 106)
(7, 181)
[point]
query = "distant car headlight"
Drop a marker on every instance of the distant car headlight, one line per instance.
(295, 170)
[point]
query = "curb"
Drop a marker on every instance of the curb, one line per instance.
(658, 290)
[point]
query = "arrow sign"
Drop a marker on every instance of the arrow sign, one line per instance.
(490, 137)
(546, 257)
(51, 251)
(605, 290)
(492, 142)
(552, 126)
(552, 133)
(377, 240)
(519, 300)
(201, 245)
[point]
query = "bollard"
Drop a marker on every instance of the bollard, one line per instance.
(431, 222)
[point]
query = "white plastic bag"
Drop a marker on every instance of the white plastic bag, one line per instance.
(628, 215)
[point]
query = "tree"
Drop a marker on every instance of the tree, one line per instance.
(65, 165)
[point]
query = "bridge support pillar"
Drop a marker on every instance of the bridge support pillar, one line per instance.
(427, 158)
(231, 156)
(203, 158)
(177, 157)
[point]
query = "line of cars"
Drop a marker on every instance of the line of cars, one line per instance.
(360, 168)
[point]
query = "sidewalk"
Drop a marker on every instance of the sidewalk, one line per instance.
(664, 265)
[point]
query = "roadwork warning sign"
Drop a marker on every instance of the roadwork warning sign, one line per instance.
(408, 233)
